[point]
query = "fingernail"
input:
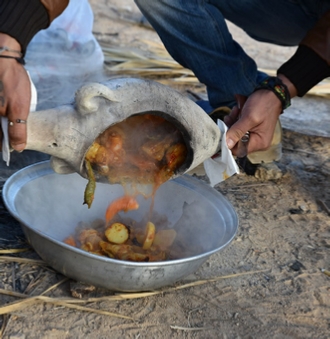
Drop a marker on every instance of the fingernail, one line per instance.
(230, 143)
(19, 147)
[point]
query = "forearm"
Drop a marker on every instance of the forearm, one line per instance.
(54, 7)
(311, 62)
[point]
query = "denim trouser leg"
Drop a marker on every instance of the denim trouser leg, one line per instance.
(196, 35)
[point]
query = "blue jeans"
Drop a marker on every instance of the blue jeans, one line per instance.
(196, 35)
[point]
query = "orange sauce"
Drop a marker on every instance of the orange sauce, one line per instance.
(143, 149)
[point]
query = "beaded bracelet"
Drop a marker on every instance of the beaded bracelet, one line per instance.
(276, 85)
(19, 59)
(7, 49)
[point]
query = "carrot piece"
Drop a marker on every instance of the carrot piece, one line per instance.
(70, 241)
(125, 203)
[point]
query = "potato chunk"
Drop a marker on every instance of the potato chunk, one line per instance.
(117, 233)
(149, 235)
(164, 238)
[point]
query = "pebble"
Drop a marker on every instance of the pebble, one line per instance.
(304, 208)
(268, 172)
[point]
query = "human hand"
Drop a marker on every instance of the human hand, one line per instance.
(259, 116)
(15, 94)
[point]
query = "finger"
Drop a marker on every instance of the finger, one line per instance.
(17, 112)
(258, 142)
(17, 132)
(17, 129)
(3, 101)
(240, 99)
(235, 133)
(232, 117)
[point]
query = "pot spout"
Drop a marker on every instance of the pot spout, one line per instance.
(67, 132)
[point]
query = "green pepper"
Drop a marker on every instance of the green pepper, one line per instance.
(91, 185)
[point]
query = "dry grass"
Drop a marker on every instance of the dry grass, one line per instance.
(73, 303)
(154, 62)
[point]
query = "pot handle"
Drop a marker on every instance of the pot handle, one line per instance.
(86, 97)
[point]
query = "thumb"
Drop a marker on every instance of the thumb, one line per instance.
(235, 133)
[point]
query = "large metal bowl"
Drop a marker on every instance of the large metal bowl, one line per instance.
(49, 206)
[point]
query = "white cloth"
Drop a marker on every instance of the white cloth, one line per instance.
(4, 125)
(222, 165)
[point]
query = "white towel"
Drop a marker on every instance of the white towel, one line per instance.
(222, 165)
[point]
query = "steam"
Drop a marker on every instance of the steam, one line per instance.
(52, 206)
(59, 66)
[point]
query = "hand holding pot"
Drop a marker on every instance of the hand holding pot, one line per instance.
(259, 116)
(15, 92)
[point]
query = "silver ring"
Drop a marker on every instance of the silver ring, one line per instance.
(21, 121)
(246, 137)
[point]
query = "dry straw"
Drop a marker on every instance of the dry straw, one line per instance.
(14, 251)
(22, 260)
(152, 61)
(73, 303)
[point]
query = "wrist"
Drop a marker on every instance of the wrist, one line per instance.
(10, 48)
(10, 42)
(290, 86)
(277, 87)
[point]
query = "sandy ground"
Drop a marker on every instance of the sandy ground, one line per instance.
(284, 232)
